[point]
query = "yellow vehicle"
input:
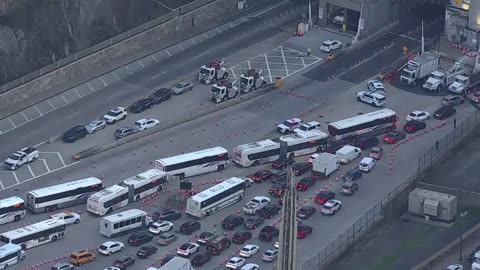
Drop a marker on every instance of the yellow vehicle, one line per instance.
(82, 257)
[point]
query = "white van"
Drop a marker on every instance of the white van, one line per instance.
(367, 164)
(348, 153)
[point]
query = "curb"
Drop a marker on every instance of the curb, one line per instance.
(93, 150)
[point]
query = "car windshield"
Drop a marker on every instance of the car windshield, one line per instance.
(14, 157)
(179, 85)
(303, 128)
(327, 207)
(155, 226)
(163, 237)
(326, 44)
(412, 114)
(364, 164)
(111, 113)
(204, 71)
(286, 123)
(375, 151)
(103, 247)
(346, 187)
(137, 124)
(215, 90)
(92, 124)
(243, 80)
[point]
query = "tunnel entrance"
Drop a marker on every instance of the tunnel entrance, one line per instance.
(345, 19)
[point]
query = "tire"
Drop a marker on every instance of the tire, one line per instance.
(6, 266)
(236, 95)
(291, 155)
(137, 198)
(16, 218)
(54, 238)
(255, 163)
(54, 208)
(121, 249)
(348, 161)
(264, 84)
(220, 167)
(214, 80)
(47, 210)
(110, 253)
(359, 99)
(181, 176)
(225, 75)
(77, 221)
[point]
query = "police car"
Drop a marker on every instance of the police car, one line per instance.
(68, 216)
(376, 85)
(289, 125)
(371, 97)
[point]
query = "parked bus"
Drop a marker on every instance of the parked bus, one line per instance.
(11, 254)
(372, 123)
(130, 190)
(36, 234)
(216, 198)
(12, 209)
(51, 198)
(253, 154)
(124, 222)
(190, 164)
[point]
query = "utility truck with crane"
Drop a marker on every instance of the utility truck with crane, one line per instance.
(418, 68)
(212, 72)
(440, 79)
(251, 80)
(224, 90)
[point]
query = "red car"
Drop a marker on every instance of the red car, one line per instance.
(324, 196)
(303, 231)
(305, 184)
(394, 136)
(414, 126)
(262, 176)
(475, 97)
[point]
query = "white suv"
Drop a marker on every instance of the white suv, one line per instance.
(371, 97)
(115, 114)
(312, 125)
(367, 164)
(110, 247)
(289, 125)
(330, 45)
(145, 123)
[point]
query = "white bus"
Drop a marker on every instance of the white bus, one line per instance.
(51, 198)
(124, 222)
(130, 190)
(372, 123)
(203, 161)
(12, 209)
(216, 198)
(11, 254)
(36, 234)
(253, 154)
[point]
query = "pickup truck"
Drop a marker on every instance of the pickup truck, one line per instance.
(255, 204)
(22, 156)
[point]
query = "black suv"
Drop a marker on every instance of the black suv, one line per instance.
(75, 133)
(124, 262)
(189, 227)
(270, 210)
(139, 238)
(283, 163)
(268, 232)
(166, 215)
(204, 237)
(160, 95)
(145, 251)
(141, 105)
(241, 236)
(232, 221)
(301, 168)
(366, 142)
(218, 244)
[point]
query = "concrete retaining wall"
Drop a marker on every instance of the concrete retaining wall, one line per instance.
(176, 30)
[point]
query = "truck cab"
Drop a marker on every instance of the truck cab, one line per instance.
(212, 71)
(223, 90)
(459, 85)
(435, 82)
(251, 80)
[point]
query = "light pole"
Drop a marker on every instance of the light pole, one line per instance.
(462, 227)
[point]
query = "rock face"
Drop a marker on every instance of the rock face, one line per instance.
(36, 33)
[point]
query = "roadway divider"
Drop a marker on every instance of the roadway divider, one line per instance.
(166, 125)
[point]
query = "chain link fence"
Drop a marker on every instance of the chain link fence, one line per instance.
(396, 202)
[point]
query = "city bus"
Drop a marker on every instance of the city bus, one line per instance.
(63, 195)
(216, 198)
(130, 190)
(12, 209)
(11, 254)
(256, 153)
(194, 163)
(124, 222)
(36, 234)
(372, 123)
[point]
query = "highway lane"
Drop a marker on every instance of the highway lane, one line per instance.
(141, 84)
(339, 104)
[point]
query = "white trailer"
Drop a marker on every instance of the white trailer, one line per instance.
(324, 165)
(418, 68)
(177, 263)
(440, 79)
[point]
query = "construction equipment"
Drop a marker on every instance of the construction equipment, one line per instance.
(251, 80)
(212, 71)
(223, 90)
(440, 79)
(418, 68)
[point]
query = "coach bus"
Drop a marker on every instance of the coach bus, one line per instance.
(253, 154)
(194, 163)
(130, 190)
(63, 195)
(372, 123)
(216, 198)
(36, 234)
(11, 254)
(12, 209)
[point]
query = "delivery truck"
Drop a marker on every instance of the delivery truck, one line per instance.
(418, 68)
(324, 165)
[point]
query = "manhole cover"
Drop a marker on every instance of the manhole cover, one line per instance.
(16, 189)
(327, 122)
(320, 116)
(360, 113)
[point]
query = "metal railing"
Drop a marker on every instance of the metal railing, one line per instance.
(100, 46)
(385, 208)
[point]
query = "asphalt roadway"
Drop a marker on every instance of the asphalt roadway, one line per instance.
(249, 121)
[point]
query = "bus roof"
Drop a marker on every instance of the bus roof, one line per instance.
(360, 119)
(108, 191)
(66, 186)
(29, 229)
(193, 155)
(217, 189)
(146, 175)
(313, 135)
(8, 249)
(11, 201)
(125, 215)
(259, 144)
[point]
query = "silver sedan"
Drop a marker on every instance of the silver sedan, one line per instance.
(181, 87)
(95, 126)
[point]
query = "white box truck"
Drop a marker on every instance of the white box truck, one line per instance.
(324, 165)
(177, 263)
(418, 68)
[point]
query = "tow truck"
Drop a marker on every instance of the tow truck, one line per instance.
(223, 90)
(440, 79)
(213, 71)
(22, 156)
(251, 80)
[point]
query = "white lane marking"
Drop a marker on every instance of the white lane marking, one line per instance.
(14, 175)
(31, 133)
(71, 115)
(205, 35)
(141, 64)
(76, 92)
(39, 112)
(91, 88)
(114, 73)
(249, 66)
(30, 169)
(193, 42)
(38, 144)
(1, 184)
(55, 153)
(181, 48)
(103, 81)
(200, 55)
(268, 68)
(50, 103)
(169, 54)
(303, 62)
(11, 122)
(158, 75)
(64, 99)
(24, 116)
(116, 94)
(45, 162)
(233, 73)
(154, 59)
